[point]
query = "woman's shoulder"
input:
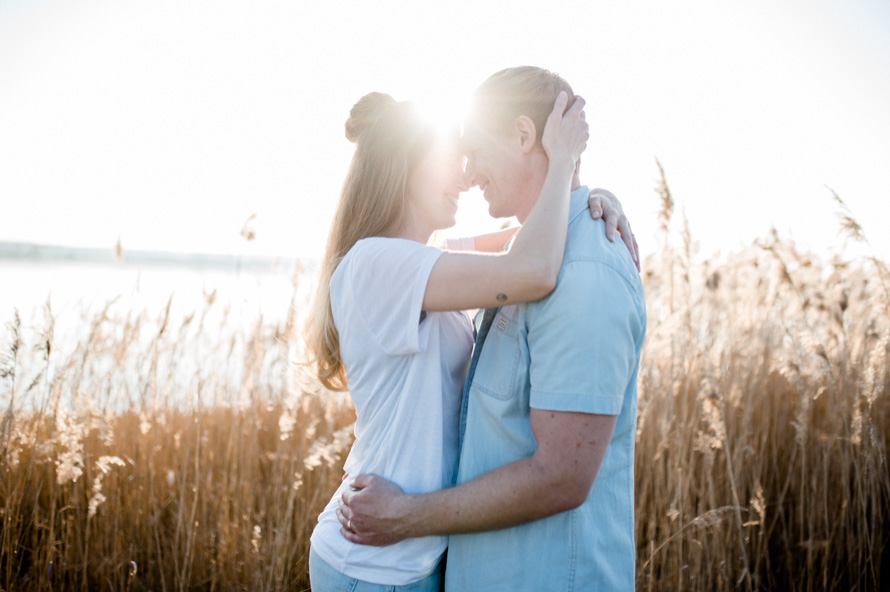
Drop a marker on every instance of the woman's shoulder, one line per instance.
(376, 255)
(381, 248)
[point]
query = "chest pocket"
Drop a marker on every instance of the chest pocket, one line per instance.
(496, 373)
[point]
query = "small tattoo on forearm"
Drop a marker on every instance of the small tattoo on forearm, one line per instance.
(502, 297)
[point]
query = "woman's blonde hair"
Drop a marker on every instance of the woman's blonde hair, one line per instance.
(390, 138)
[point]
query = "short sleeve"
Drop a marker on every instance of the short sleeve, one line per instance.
(384, 281)
(584, 341)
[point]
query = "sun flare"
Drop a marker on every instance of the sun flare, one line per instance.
(445, 112)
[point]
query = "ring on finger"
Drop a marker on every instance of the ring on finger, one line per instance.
(349, 525)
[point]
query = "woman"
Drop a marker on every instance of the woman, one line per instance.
(385, 312)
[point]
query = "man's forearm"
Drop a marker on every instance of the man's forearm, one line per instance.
(557, 478)
(516, 493)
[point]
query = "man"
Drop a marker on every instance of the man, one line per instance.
(544, 499)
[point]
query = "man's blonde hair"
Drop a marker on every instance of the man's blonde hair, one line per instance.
(523, 90)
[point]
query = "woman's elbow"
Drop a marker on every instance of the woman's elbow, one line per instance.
(533, 280)
(544, 279)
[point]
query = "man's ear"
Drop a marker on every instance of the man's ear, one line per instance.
(526, 133)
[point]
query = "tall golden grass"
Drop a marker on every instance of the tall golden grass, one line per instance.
(163, 455)
(762, 435)
(159, 453)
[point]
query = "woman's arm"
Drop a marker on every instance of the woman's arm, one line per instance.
(528, 271)
(603, 204)
(493, 242)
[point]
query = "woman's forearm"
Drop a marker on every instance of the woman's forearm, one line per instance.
(529, 270)
(540, 243)
(493, 242)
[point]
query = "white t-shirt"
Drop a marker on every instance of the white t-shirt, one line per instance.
(406, 372)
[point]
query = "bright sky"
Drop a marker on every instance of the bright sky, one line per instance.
(168, 123)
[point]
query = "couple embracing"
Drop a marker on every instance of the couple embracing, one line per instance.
(507, 441)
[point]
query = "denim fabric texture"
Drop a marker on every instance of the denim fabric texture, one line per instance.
(324, 578)
(577, 350)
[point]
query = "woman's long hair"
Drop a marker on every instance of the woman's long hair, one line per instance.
(390, 140)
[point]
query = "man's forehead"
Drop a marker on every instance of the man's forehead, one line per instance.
(470, 132)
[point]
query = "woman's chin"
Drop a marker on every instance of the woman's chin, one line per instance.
(447, 223)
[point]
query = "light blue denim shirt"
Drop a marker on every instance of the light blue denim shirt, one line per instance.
(576, 350)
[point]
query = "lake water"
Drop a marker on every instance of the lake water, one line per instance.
(78, 289)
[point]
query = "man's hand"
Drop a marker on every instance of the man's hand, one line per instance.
(604, 204)
(372, 512)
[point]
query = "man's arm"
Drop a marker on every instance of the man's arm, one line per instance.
(557, 478)
(597, 349)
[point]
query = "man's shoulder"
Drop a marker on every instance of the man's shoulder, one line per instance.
(587, 247)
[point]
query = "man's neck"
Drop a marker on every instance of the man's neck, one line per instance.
(537, 179)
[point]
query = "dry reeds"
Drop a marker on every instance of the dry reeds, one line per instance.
(153, 452)
(763, 423)
(163, 454)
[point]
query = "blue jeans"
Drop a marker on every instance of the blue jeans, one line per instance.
(325, 578)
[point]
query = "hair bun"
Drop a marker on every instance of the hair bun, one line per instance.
(365, 112)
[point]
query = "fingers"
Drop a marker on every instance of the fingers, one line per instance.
(608, 199)
(631, 243)
(595, 203)
(611, 214)
(611, 225)
(351, 490)
(360, 482)
(352, 532)
(629, 239)
(344, 511)
(603, 208)
(559, 106)
(349, 520)
(636, 251)
(604, 204)
(566, 131)
(577, 108)
(576, 119)
(351, 536)
(347, 528)
(344, 520)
